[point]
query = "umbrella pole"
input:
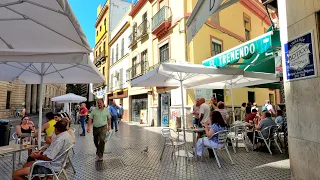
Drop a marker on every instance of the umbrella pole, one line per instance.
(40, 105)
(182, 116)
(232, 101)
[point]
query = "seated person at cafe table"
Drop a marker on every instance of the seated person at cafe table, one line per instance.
(61, 143)
(218, 125)
(252, 115)
(25, 128)
(265, 121)
(48, 127)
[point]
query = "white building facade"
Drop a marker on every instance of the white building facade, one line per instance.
(119, 64)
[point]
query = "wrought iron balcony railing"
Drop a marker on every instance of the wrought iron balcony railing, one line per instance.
(143, 29)
(163, 15)
(133, 38)
(100, 59)
(98, 85)
(137, 70)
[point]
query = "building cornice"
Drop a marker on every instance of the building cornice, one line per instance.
(120, 32)
(137, 7)
(260, 13)
(101, 15)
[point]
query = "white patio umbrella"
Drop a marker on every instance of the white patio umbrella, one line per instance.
(42, 42)
(50, 73)
(46, 30)
(179, 75)
(236, 81)
(69, 98)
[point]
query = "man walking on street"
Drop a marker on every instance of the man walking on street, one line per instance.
(101, 124)
(120, 112)
(83, 117)
(114, 115)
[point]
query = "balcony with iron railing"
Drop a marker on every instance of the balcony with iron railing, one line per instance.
(133, 38)
(143, 29)
(101, 59)
(137, 70)
(98, 85)
(161, 21)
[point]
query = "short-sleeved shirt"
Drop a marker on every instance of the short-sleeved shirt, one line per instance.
(205, 110)
(217, 128)
(266, 123)
(250, 117)
(84, 110)
(196, 109)
(50, 130)
(113, 110)
(120, 110)
(59, 145)
(279, 121)
(100, 118)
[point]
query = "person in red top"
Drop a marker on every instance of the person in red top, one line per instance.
(83, 116)
(252, 115)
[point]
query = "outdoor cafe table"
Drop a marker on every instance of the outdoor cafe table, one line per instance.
(194, 139)
(13, 149)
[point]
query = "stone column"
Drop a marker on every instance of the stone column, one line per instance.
(28, 98)
(34, 99)
(38, 97)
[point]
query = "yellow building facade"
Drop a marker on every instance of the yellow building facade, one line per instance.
(224, 30)
(101, 48)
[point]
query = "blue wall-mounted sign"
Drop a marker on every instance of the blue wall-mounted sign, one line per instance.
(300, 58)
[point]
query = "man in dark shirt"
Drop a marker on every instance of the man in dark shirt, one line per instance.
(252, 115)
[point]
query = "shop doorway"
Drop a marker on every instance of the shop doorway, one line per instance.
(138, 103)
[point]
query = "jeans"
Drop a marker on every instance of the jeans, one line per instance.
(114, 122)
(82, 120)
(196, 122)
(99, 135)
(206, 142)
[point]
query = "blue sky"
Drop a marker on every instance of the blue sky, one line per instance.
(86, 13)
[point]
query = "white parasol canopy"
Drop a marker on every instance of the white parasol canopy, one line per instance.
(69, 98)
(40, 30)
(179, 75)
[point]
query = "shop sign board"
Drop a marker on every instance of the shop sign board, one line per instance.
(300, 58)
(207, 94)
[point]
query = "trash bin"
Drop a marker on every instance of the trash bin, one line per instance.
(4, 132)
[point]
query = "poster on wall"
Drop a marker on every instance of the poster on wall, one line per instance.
(143, 116)
(165, 98)
(300, 58)
(207, 94)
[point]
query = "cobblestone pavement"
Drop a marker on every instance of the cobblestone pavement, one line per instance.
(124, 160)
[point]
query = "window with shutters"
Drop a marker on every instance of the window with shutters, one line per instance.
(216, 47)
(247, 25)
(164, 53)
(112, 57)
(121, 80)
(122, 47)
(117, 53)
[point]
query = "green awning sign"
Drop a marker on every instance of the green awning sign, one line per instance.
(246, 50)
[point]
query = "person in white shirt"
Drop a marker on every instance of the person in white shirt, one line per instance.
(195, 112)
(270, 108)
(204, 112)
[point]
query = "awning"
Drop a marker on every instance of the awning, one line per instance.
(257, 54)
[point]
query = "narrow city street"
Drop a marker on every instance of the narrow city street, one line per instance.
(124, 159)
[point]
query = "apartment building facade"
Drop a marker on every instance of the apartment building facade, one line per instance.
(158, 34)
(119, 64)
(108, 16)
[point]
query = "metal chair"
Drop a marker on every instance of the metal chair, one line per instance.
(222, 141)
(238, 133)
(55, 174)
(17, 141)
(170, 142)
(272, 136)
